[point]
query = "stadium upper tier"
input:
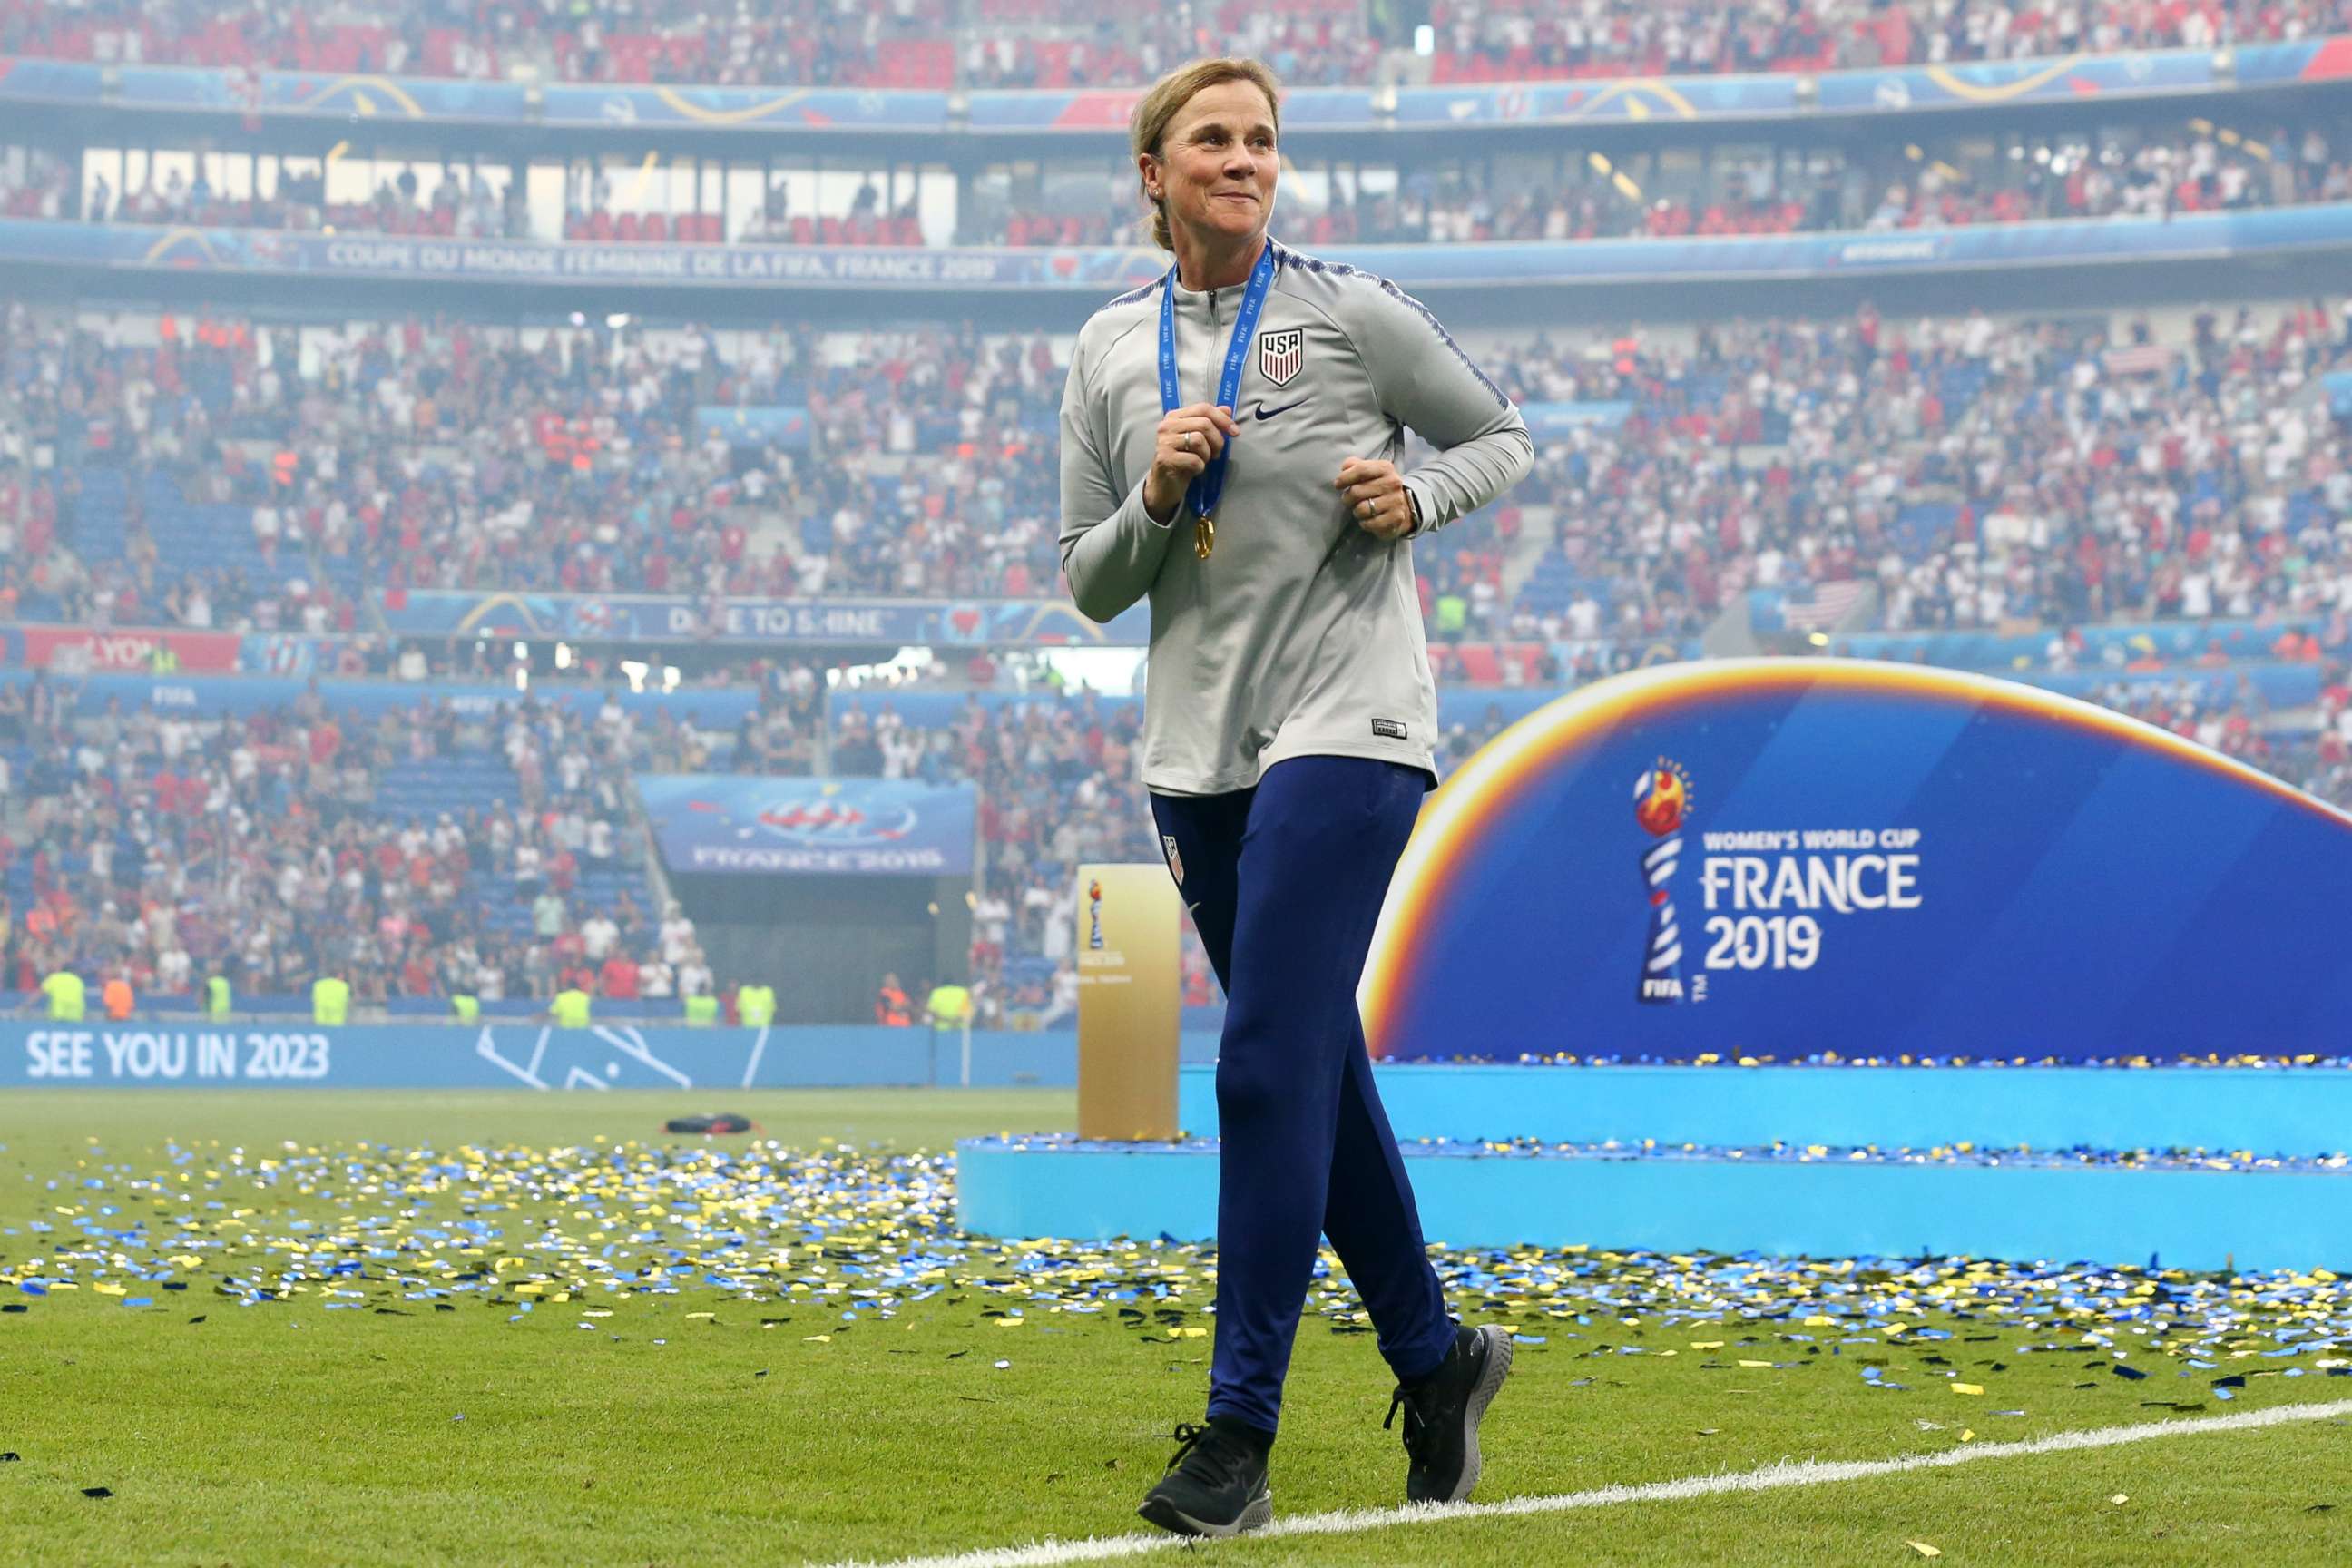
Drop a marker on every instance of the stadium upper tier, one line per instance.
(2128, 171)
(74, 97)
(941, 44)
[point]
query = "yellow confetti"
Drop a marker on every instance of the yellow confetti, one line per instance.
(1967, 1436)
(1968, 1388)
(691, 1315)
(816, 1339)
(1010, 1323)
(659, 1219)
(1924, 1549)
(2120, 1498)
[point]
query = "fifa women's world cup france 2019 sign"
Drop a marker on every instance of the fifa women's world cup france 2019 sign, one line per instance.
(1890, 861)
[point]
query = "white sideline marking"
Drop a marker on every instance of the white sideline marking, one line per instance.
(759, 1048)
(1797, 1473)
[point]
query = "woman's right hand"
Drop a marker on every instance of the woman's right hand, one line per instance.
(1187, 440)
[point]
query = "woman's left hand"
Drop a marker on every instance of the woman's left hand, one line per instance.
(1376, 498)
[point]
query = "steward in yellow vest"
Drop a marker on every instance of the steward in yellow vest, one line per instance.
(68, 997)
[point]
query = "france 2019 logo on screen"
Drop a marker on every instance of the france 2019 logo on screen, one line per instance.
(837, 825)
(1661, 797)
(740, 823)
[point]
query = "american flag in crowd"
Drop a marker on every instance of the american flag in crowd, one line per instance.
(1818, 607)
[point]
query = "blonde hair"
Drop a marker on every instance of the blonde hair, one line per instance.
(1148, 126)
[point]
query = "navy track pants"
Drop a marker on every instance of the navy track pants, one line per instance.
(1285, 881)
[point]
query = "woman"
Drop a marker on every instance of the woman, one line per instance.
(1228, 437)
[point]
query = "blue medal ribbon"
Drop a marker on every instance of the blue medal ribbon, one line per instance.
(1202, 494)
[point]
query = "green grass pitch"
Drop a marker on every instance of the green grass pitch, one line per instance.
(864, 1384)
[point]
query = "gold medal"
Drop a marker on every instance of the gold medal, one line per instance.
(1204, 535)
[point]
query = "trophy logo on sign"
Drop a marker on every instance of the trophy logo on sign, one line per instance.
(1660, 801)
(1094, 915)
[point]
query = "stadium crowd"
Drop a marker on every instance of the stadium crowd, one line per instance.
(1976, 473)
(1501, 40)
(432, 453)
(2318, 760)
(2120, 171)
(1969, 473)
(163, 849)
(2123, 174)
(1973, 470)
(277, 848)
(469, 207)
(273, 848)
(936, 44)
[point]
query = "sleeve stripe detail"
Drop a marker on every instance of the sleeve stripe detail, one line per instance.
(1136, 295)
(1435, 326)
(1341, 270)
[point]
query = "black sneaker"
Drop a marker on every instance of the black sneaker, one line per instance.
(1442, 1414)
(1215, 1485)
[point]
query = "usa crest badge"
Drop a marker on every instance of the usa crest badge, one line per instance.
(1279, 354)
(1175, 860)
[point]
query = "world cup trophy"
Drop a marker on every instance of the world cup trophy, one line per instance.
(1660, 801)
(1094, 915)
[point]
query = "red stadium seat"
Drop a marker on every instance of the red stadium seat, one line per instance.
(918, 64)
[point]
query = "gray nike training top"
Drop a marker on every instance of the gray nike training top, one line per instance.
(1300, 636)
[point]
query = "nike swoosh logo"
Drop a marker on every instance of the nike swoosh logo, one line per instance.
(1264, 413)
